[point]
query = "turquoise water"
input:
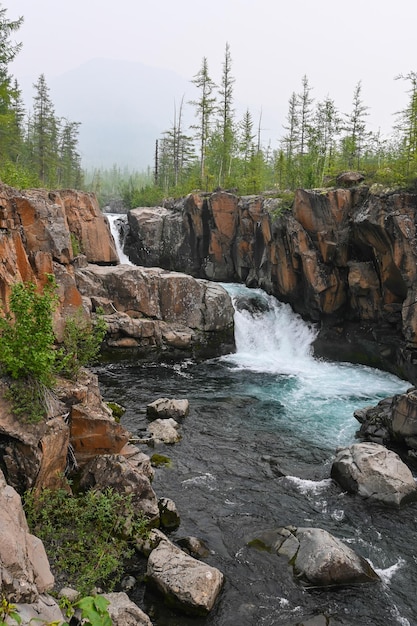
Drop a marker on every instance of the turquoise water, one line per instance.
(256, 453)
(313, 397)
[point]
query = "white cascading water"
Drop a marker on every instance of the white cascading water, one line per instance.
(319, 396)
(112, 218)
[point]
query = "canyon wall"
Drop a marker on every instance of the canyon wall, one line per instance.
(65, 234)
(344, 258)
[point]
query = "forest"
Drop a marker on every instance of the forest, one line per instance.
(40, 149)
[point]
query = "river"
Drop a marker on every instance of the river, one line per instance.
(256, 453)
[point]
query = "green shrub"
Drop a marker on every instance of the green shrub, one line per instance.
(8, 611)
(26, 333)
(86, 537)
(81, 343)
(76, 245)
(27, 351)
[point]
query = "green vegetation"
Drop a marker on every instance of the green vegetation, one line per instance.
(160, 460)
(27, 352)
(217, 150)
(93, 612)
(117, 410)
(91, 549)
(28, 355)
(81, 343)
(38, 149)
(8, 612)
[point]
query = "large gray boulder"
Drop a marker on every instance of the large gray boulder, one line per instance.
(164, 431)
(187, 583)
(318, 558)
(44, 610)
(168, 407)
(324, 560)
(374, 472)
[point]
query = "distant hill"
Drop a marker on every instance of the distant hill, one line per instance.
(123, 108)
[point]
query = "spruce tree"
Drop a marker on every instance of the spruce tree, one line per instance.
(205, 107)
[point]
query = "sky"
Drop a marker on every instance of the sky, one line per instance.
(273, 44)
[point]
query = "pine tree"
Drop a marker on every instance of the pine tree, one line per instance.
(322, 139)
(69, 171)
(8, 92)
(407, 128)
(205, 107)
(226, 113)
(45, 134)
(291, 141)
(354, 141)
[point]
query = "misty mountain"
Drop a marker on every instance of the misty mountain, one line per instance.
(123, 108)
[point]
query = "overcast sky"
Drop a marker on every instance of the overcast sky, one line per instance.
(272, 44)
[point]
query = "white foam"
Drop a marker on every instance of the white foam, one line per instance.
(204, 480)
(306, 486)
(387, 573)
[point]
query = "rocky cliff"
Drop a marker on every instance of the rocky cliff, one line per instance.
(64, 233)
(344, 258)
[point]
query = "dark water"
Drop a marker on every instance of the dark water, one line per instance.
(256, 453)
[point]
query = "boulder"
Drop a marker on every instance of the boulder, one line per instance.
(44, 610)
(164, 430)
(373, 472)
(124, 476)
(168, 514)
(349, 179)
(158, 237)
(167, 407)
(124, 612)
(194, 546)
(24, 567)
(318, 558)
(184, 582)
(403, 425)
(33, 455)
(325, 561)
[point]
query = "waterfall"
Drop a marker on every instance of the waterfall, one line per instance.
(274, 346)
(117, 233)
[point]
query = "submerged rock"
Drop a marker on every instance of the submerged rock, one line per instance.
(169, 516)
(373, 472)
(318, 558)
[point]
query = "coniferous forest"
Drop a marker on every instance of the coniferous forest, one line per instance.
(39, 148)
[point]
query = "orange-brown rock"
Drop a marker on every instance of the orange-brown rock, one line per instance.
(93, 429)
(158, 308)
(35, 240)
(33, 455)
(343, 257)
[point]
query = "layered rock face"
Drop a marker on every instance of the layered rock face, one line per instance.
(344, 258)
(64, 233)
